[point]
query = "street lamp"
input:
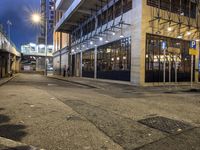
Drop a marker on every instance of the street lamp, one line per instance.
(37, 19)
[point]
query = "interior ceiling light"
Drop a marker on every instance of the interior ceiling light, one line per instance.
(113, 33)
(179, 36)
(169, 29)
(197, 40)
(91, 42)
(188, 33)
(121, 36)
(100, 39)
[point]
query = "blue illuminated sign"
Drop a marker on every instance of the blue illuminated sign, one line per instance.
(193, 44)
(164, 45)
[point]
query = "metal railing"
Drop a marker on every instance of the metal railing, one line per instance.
(6, 44)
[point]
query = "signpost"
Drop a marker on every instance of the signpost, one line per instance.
(164, 48)
(176, 52)
(193, 52)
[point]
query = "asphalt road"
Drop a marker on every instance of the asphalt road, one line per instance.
(59, 115)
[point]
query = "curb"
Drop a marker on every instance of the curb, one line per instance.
(90, 86)
(7, 144)
(6, 80)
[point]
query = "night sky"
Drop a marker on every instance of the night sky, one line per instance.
(18, 12)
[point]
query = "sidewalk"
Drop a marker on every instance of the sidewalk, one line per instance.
(93, 83)
(5, 80)
(107, 84)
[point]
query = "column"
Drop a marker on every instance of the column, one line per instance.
(137, 44)
(95, 62)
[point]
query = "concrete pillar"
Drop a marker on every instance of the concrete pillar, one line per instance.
(197, 64)
(95, 62)
(81, 63)
(137, 44)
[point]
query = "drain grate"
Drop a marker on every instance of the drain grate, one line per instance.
(166, 125)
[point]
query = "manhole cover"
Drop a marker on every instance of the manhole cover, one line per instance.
(165, 124)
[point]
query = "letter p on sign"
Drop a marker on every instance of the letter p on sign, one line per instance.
(193, 44)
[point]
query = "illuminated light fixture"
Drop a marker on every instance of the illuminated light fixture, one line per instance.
(36, 18)
(117, 58)
(83, 45)
(77, 48)
(95, 45)
(188, 33)
(108, 50)
(121, 36)
(124, 57)
(197, 40)
(169, 29)
(179, 36)
(112, 59)
(113, 33)
(100, 39)
(91, 42)
(106, 41)
(72, 50)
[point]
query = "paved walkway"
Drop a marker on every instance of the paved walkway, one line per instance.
(106, 84)
(80, 114)
(4, 80)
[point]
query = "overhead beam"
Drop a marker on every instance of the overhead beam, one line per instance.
(84, 11)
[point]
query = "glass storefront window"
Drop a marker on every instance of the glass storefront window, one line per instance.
(177, 58)
(88, 63)
(113, 60)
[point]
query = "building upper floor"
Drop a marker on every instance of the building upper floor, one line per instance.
(6, 45)
(92, 20)
(72, 13)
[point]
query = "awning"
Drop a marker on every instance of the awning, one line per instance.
(79, 10)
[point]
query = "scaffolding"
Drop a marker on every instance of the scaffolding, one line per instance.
(104, 9)
(180, 18)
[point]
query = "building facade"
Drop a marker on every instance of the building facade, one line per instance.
(33, 57)
(140, 41)
(61, 42)
(47, 12)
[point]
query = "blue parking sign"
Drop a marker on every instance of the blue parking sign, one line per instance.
(164, 45)
(193, 44)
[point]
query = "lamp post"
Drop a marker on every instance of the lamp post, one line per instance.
(36, 18)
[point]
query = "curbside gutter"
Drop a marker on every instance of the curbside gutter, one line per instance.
(7, 144)
(74, 82)
(6, 80)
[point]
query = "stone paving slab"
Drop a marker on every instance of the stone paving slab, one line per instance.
(126, 132)
(189, 140)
